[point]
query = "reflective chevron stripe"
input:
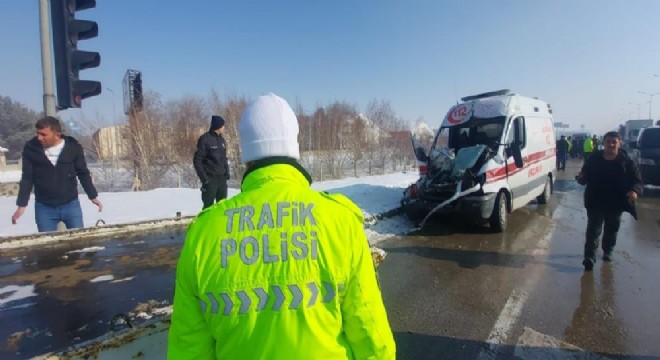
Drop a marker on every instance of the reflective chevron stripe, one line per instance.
(263, 298)
(315, 292)
(297, 296)
(294, 296)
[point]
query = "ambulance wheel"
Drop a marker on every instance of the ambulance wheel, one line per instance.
(499, 216)
(544, 198)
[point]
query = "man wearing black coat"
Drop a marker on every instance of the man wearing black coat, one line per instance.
(613, 185)
(51, 163)
(210, 163)
(562, 153)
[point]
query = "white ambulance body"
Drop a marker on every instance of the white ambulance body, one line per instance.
(494, 153)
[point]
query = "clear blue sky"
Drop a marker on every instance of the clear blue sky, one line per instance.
(588, 58)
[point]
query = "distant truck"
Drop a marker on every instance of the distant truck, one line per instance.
(630, 131)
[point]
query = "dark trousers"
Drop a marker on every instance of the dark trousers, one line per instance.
(596, 218)
(561, 161)
(214, 190)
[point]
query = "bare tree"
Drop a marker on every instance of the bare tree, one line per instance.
(401, 153)
(231, 110)
(148, 134)
(328, 128)
(355, 139)
(188, 119)
(383, 117)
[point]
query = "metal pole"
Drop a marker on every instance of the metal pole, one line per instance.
(651, 105)
(46, 61)
(114, 115)
(650, 101)
(115, 136)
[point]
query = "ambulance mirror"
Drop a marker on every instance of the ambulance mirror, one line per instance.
(517, 156)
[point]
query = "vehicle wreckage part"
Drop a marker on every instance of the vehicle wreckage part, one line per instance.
(456, 195)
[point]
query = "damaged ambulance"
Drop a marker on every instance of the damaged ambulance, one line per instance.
(494, 153)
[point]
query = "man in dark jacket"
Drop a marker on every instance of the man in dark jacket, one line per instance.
(613, 185)
(562, 153)
(210, 162)
(51, 163)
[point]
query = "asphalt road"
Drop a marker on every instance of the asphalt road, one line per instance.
(456, 291)
(452, 291)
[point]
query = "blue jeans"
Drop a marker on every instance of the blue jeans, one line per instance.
(47, 217)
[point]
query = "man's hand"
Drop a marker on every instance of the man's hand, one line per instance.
(19, 212)
(97, 202)
(632, 197)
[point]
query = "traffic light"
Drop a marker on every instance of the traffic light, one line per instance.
(67, 31)
(137, 92)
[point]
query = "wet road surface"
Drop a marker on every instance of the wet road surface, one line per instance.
(68, 296)
(456, 291)
(452, 291)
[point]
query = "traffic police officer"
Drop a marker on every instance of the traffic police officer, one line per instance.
(279, 271)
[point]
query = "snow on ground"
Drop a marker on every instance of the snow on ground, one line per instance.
(373, 194)
(10, 176)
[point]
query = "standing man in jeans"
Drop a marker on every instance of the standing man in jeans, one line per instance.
(613, 185)
(51, 163)
(210, 162)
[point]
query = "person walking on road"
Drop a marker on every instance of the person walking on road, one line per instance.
(51, 163)
(613, 184)
(562, 153)
(210, 162)
(279, 271)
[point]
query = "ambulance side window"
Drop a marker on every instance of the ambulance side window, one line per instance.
(516, 134)
(519, 134)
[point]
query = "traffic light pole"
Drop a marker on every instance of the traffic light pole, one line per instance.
(46, 61)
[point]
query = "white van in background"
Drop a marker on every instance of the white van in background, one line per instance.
(494, 153)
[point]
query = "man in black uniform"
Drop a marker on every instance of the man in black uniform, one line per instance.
(210, 162)
(562, 153)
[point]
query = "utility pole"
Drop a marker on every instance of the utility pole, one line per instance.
(114, 131)
(650, 101)
(46, 61)
(639, 109)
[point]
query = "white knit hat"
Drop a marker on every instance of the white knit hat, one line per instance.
(268, 128)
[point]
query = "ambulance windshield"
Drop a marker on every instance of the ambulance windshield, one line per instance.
(476, 131)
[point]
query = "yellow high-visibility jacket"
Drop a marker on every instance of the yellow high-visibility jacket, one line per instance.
(279, 271)
(588, 145)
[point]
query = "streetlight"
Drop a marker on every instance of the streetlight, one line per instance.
(114, 116)
(650, 101)
(639, 108)
(114, 135)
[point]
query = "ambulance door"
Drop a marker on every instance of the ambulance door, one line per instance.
(517, 178)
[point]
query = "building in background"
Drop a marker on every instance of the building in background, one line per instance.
(111, 143)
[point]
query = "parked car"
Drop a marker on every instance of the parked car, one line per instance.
(647, 155)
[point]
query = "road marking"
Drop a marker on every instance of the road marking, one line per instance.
(508, 317)
(513, 307)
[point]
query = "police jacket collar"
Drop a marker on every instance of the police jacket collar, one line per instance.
(278, 167)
